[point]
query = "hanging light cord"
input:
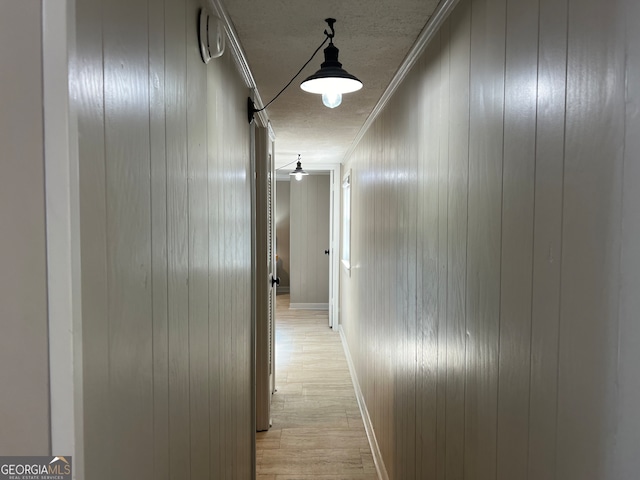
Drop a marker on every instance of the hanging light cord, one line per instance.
(296, 160)
(328, 36)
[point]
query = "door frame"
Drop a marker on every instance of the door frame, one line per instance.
(62, 211)
(335, 180)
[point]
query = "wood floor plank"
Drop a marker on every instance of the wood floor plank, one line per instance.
(369, 476)
(317, 431)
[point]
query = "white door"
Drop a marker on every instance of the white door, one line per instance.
(265, 274)
(331, 251)
(274, 280)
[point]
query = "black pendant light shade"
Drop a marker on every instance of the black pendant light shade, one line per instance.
(331, 81)
(298, 173)
(331, 76)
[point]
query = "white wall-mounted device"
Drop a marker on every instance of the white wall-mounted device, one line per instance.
(211, 33)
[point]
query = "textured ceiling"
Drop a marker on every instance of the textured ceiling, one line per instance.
(279, 36)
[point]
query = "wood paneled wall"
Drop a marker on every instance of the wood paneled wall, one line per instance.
(24, 357)
(626, 459)
(166, 246)
(494, 237)
(309, 228)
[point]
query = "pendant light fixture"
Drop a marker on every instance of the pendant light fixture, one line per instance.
(298, 173)
(331, 81)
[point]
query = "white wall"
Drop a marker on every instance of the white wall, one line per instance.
(24, 370)
(309, 239)
(283, 223)
(164, 150)
(495, 249)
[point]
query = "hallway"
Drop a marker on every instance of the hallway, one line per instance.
(485, 243)
(317, 430)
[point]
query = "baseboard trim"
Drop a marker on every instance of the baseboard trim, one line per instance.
(282, 289)
(366, 419)
(308, 306)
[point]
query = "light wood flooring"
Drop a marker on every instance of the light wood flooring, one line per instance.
(317, 430)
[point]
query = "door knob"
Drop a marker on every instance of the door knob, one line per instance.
(326, 252)
(275, 281)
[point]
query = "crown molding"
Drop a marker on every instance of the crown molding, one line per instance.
(241, 58)
(431, 28)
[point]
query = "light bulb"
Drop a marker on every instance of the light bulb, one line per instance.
(331, 99)
(298, 176)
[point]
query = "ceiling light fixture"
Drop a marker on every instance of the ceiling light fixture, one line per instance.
(331, 81)
(298, 173)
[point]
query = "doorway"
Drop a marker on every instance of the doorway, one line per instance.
(307, 239)
(310, 242)
(267, 255)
